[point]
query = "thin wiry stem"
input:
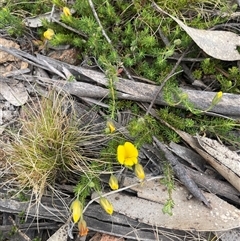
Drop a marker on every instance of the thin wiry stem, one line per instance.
(105, 35)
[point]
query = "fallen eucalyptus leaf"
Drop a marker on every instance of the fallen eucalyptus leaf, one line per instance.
(61, 234)
(35, 22)
(15, 93)
(187, 214)
(218, 44)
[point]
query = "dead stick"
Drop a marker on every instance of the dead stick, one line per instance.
(18, 230)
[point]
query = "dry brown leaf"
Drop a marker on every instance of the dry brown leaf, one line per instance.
(218, 44)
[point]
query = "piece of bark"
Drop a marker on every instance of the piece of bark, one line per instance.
(231, 235)
(41, 211)
(188, 214)
(124, 226)
(15, 93)
(215, 186)
(144, 92)
(231, 176)
(225, 161)
(133, 90)
(194, 159)
(181, 173)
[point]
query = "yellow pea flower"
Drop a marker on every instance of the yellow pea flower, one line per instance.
(127, 154)
(82, 228)
(113, 182)
(48, 34)
(66, 11)
(76, 208)
(139, 171)
(106, 205)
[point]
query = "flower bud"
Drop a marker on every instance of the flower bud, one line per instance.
(139, 172)
(217, 98)
(106, 205)
(66, 11)
(110, 127)
(177, 42)
(82, 228)
(113, 182)
(76, 208)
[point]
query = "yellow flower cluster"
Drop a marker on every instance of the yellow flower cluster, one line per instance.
(127, 155)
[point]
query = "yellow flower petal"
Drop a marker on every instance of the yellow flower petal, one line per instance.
(76, 208)
(66, 11)
(130, 149)
(139, 171)
(48, 34)
(106, 205)
(113, 182)
(121, 154)
(130, 161)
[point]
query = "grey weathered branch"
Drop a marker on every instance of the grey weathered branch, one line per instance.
(126, 89)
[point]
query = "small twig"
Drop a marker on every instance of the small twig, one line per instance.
(192, 60)
(52, 12)
(105, 35)
(164, 38)
(18, 230)
(170, 75)
(70, 28)
(99, 22)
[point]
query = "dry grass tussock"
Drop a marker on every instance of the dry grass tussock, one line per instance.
(48, 143)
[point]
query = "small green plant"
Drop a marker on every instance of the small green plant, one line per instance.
(11, 23)
(168, 181)
(142, 129)
(21, 216)
(36, 239)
